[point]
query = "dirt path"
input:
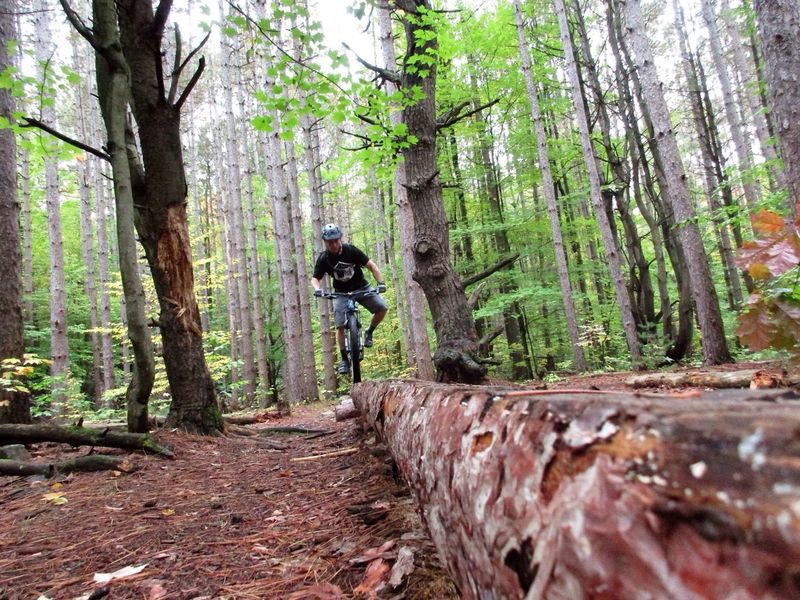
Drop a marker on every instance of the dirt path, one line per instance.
(230, 517)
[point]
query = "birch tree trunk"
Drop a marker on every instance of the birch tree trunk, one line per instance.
(751, 193)
(14, 405)
(59, 345)
(609, 244)
(417, 343)
(715, 348)
(238, 256)
(549, 194)
(778, 26)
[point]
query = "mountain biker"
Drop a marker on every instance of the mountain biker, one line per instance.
(344, 263)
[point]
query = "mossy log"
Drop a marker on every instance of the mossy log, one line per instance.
(94, 462)
(541, 494)
(79, 436)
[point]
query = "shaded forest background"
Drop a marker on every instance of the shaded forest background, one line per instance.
(600, 166)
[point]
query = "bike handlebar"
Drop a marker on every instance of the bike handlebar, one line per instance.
(354, 294)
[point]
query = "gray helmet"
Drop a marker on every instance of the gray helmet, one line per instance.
(331, 232)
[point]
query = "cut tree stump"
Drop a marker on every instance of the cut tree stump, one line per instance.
(94, 462)
(541, 494)
(79, 436)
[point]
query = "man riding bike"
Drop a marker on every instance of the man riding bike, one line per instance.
(344, 263)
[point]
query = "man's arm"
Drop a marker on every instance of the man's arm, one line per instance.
(376, 272)
(316, 283)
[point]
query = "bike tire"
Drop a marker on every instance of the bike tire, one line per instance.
(354, 333)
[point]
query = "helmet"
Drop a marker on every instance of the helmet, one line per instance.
(331, 232)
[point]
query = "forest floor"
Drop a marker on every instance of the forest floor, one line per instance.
(241, 516)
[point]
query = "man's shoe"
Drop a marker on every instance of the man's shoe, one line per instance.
(344, 367)
(367, 339)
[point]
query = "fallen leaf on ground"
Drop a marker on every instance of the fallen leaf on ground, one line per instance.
(382, 551)
(373, 579)
(403, 566)
(118, 574)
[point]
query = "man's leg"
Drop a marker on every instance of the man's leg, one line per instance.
(344, 366)
(340, 319)
(378, 307)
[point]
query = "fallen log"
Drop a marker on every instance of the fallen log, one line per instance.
(79, 436)
(710, 379)
(345, 409)
(94, 462)
(534, 494)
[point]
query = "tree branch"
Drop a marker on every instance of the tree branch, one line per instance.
(476, 293)
(173, 87)
(160, 18)
(484, 274)
(192, 82)
(76, 21)
(484, 342)
(453, 117)
(386, 74)
(199, 47)
(31, 122)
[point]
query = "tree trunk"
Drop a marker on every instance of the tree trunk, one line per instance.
(84, 177)
(778, 25)
(712, 185)
(549, 193)
(162, 221)
(101, 219)
(715, 348)
(59, 344)
(238, 256)
(14, 407)
(585, 494)
(419, 345)
(80, 464)
(609, 245)
(456, 356)
(329, 351)
(747, 71)
(113, 92)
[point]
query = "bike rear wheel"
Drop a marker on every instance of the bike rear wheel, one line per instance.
(353, 334)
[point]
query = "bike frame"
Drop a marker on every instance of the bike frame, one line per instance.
(353, 344)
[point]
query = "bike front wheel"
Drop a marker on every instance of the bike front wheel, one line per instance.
(355, 353)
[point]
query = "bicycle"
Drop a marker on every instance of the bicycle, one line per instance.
(353, 344)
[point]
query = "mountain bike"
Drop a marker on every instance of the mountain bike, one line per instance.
(353, 344)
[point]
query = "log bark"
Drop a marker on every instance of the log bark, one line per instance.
(78, 436)
(532, 494)
(345, 409)
(95, 462)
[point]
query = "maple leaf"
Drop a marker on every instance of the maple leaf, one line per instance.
(766, 222)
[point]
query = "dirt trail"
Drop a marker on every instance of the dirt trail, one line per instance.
(232, 517)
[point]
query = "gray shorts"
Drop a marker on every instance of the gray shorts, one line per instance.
(372, 302)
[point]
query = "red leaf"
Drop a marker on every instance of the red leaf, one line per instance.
(755, 326)
(766, 222)
(778, 254)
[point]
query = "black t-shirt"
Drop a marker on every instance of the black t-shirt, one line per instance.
(344, 268)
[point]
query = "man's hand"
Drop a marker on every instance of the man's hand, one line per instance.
(318, 292)
(381, 287)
